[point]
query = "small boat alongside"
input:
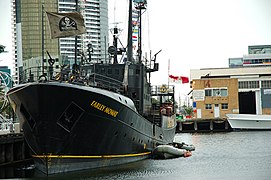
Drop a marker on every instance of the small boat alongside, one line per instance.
(175, 150)
(249, 121)
(188, 147)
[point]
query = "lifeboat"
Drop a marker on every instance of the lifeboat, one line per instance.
(169, 152)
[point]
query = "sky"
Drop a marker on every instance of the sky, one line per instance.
(5, 33)
(195, 34)
(192, 34)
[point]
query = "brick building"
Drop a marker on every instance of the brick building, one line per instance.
(214, 98)
(219, 91)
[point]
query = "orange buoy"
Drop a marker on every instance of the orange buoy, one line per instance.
(187, 154)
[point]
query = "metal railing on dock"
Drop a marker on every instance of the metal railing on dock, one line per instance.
(203, 125)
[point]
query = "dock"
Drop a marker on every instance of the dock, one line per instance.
(12, 148)
(203, 125)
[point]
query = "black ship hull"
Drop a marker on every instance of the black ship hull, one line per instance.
(73, 127)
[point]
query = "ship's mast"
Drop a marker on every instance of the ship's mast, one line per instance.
(130, 31)
(75, 44)
(115, 44)
(140, 5)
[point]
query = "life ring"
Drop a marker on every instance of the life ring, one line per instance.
(42, 78)
(163, 89)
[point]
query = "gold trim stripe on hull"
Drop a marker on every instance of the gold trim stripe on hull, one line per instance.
(89, 157)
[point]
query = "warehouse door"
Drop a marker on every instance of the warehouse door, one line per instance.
(247, 102)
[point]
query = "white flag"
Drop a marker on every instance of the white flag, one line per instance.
(65, 24)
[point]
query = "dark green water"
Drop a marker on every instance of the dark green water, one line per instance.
(232, 155)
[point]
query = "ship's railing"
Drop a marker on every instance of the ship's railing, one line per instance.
(65, 74)
(36, 73)
(104, 82)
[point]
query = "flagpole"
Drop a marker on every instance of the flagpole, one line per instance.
(168, 72)
(42, 37)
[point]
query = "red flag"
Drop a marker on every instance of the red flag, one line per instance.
(184, 79)
(174, 78)
(179, 79)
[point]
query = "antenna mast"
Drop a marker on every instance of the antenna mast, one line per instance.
(130, 31)
(75, 44)
(140, 5)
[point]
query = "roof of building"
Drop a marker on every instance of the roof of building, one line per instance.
(230, 72)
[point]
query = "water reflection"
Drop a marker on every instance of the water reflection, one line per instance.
(231, 155)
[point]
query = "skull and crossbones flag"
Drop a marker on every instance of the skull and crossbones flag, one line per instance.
(65, 24)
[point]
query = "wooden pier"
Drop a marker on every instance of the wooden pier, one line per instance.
(12, 148)
(203, 125)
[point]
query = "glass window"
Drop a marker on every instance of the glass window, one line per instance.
(224, 106)
(266, 84)
(248, 84)
(208, 106)
(216, 92)
(208, 92)
(224, 92)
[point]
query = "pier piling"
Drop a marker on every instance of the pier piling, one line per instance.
(12, 148)
(203, 125)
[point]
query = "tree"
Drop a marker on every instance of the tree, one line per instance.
(187, 110)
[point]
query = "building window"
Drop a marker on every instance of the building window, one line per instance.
(248, 84)
(224, 106)
(208, 92)
(254, 84)
(216, 92)
(208, 106)
(266, 84)
(224, 92)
